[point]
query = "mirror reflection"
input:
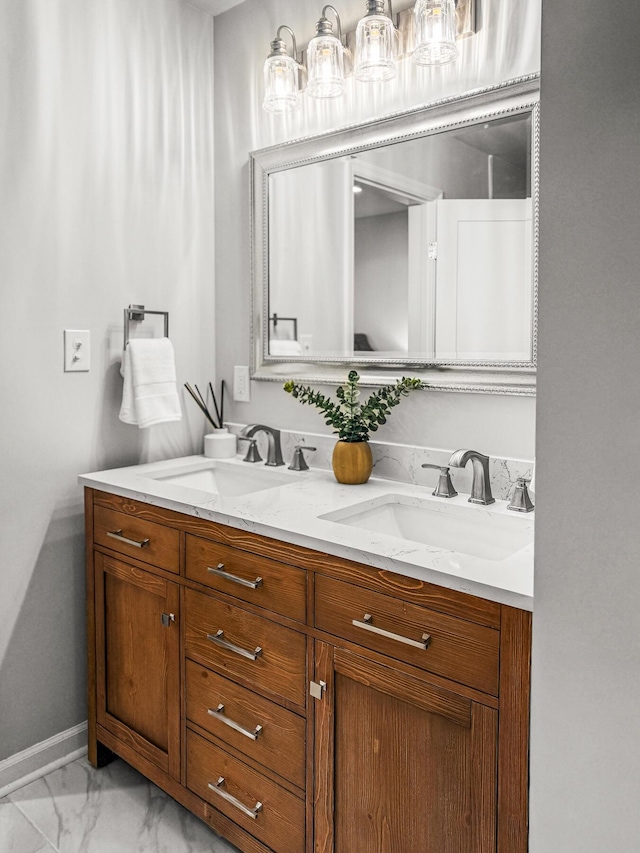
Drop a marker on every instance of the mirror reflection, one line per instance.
(420, 249)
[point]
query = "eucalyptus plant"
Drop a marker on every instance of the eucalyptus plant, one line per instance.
(351, 420)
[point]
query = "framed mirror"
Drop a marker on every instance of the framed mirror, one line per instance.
(409, 243)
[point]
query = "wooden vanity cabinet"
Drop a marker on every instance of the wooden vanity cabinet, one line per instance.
(138, 672)
(403, 766)
(302, 703)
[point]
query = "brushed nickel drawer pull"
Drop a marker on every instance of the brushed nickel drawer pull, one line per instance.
(366, 624)
(218, 714)
(117, 534)
(218, 639)
(221, 572)
(217, 789)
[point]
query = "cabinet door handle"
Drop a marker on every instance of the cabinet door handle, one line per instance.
(366, 625)
(117, 534)
(218, 714)
(221, 572)
(218, 639)
(217, 789)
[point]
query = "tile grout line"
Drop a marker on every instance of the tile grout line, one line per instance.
(37, 829)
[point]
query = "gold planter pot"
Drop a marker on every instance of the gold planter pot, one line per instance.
(352, 462)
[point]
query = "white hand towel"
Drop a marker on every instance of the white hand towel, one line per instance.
(149, 393)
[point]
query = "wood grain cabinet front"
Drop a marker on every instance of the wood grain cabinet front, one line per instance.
(265, 809)
(394, 721)
(458, 650)
(245, 647)
(402, 766)
(138, 662)
(249, 577)
(137, 538)
(262, 730)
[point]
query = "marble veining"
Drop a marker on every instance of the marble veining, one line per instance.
(17, 834)
(78, 809)
(403, 462)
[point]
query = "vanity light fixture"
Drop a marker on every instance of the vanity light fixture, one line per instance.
(426, 31)
(435, 32)
(325, 59)
(281, 76)
(375, 44)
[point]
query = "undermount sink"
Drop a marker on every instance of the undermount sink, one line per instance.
(224, 478)
(476, 531)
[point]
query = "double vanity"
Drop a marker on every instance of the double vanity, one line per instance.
(309, 666)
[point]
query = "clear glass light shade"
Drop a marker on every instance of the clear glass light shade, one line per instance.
(281, 90)
(435, 32)
(325, 67)
(375, 49)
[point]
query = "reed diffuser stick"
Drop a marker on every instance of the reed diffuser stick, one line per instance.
(202, 407)
(215, 403)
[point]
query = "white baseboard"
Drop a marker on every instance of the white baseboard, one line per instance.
(33, 763)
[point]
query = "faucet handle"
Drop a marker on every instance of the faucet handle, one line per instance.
(445, 488)
(520, 500)
(299, 463)
(253, 454)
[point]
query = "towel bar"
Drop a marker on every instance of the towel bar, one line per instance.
(136, 313)
(275, 319)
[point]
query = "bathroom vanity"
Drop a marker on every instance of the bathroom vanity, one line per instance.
(325, 696)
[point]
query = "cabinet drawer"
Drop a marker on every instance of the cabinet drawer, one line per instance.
(259, 580)
(147, 541)
(280, 821)
(270, 735)
(458, 650)
(267, 656)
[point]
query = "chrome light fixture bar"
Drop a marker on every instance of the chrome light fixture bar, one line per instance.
(325, 59)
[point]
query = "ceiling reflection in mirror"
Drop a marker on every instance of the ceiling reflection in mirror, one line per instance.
(416, 250)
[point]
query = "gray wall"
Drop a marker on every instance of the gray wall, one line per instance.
(585, 772)
(106, 181)
(507, 46)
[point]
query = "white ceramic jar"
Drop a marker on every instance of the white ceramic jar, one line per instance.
(220, 444)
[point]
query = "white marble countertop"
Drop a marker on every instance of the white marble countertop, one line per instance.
(292, 513)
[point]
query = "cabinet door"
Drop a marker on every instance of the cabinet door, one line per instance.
(402, 766)
(138, 665)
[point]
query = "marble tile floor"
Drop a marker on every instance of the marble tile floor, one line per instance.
(78, 809)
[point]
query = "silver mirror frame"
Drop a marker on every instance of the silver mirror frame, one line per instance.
(517, 378)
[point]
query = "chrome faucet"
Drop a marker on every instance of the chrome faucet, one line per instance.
(480, 485)
(274, 448)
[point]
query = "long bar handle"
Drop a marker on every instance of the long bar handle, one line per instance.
(217, 789)
(218, 714)
(218, 639)
(221, 572)
(366, 625)
(117, 534)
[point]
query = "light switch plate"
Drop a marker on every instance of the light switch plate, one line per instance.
(241, 388)
(77, 350)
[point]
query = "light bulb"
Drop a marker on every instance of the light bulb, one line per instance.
(375, 42)
(281, 80)
(325, 60)
(435, 32)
